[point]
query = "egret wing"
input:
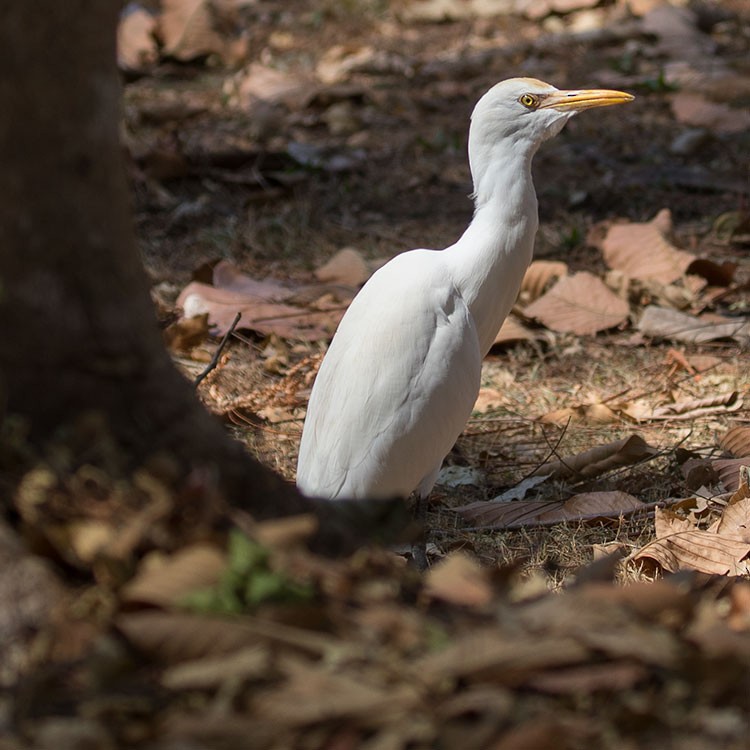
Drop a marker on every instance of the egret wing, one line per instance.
(396, 387)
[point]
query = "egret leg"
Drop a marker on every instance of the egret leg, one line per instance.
(419, 548)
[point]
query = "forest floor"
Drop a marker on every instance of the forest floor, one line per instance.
(605, 446)
(348, 130)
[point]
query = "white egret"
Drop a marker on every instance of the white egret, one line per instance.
(403, 371)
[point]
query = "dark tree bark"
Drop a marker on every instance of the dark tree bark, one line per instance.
(78, 328)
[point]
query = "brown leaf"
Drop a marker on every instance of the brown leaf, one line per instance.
(600, 617)
(136, 41)
(312, 695)
(684, 410)
(539, 275)
(739, 617)
(186, 333)
(222, 305)
(590, 678)
(698, 472)
(489, 399)
(602, 458)
(179, 636)
(347, 267)
(258, 87)
(227, 276)
(735, 518)
(539, 9)
(213, 671)
(697, 111)
(680, 545)
(458, 579)
(728, 470)
(581, 414)
(267, 306)
(81, 542)
(539, 734)
(736, 441)
(285, 533)
(164, 583)
(207, 728)
(488, 655)
(193, 28)
(661, 322)
(512, 331)
(586, 506)
(660, 600)
(642, 251)
(579, 304)
(678, 34)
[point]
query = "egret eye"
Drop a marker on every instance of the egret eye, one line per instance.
(529, 101)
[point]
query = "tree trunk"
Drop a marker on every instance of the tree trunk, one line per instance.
(78, 328)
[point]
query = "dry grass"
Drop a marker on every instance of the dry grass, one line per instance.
(411, 191)
(510, 442)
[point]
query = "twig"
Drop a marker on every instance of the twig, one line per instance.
(215, 359)
(552, 452)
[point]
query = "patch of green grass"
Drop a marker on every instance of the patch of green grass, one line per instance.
(248, 582)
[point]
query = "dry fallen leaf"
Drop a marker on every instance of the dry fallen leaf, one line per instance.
(736, 441)
(259, 87)
(285, 533)
(222, 306)
(512, 331)
(729, 470)
(172, 637)
(678, 33)
(539, 734)
(489, 399)
(186, 333)
(580, 304)
(458, 579)
(245, 664)
(193, 28)
(642, 251)
(581, 414)
(136, 43)
(583, 507)
(178, 636)
(347, 267)
(312, 695)
(661, 322)
(539, 275)
(306, 312)
(486, 655)
(229, 277)
(642, 411)
(735, 518)
(164, 583)
(539, 9)
(681, 545)
(600, 459)
(589, 678)
(698, 111)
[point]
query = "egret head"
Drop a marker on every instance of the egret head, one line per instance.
(520, 113)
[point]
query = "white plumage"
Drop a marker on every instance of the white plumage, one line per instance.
(401, 376)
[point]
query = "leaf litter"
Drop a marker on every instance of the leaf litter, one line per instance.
(481, 656)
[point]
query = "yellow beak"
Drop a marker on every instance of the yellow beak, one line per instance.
(584, 99)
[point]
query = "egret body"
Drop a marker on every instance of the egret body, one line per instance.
(401, 376)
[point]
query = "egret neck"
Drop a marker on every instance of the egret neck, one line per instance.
(488, 262)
